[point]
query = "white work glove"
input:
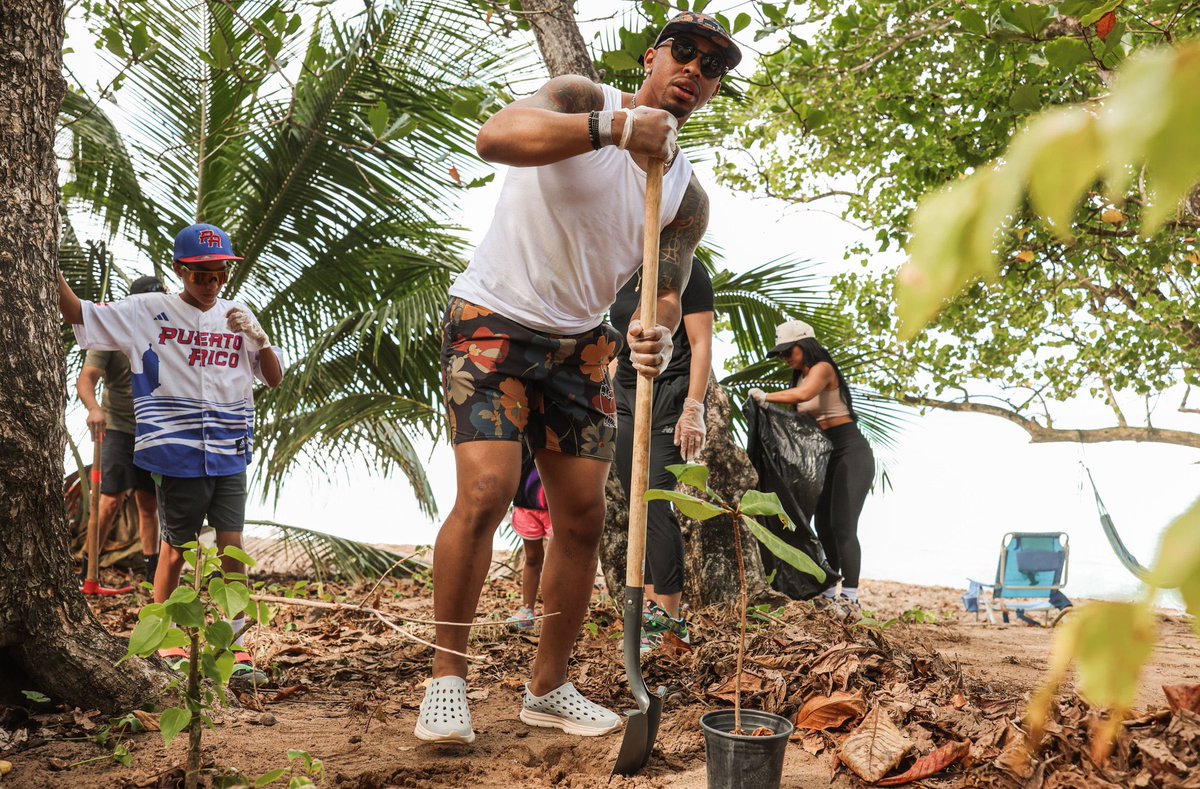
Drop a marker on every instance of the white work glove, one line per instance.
(654, 132)
(649, 349)
(758, 396)
(247, 325)
(690, 430)
(96, 422)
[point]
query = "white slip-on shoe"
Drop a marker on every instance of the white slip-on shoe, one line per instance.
(565, 708)
(444, 715)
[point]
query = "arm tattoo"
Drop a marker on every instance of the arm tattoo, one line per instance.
(568, 94)
(679, 239)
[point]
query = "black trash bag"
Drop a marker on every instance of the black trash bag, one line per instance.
(790, 454)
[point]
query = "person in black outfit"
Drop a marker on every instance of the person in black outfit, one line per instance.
(819, 389)
(677, 434)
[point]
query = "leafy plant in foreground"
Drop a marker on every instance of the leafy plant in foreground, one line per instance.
(754, 503)
(197, 615)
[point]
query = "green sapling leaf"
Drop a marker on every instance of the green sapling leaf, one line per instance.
(692, 507)
(173, 721)
(793, 556)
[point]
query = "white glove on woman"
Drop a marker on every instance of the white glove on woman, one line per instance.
(690, 430)
(758, 396)
(247, 325)
(649, 349)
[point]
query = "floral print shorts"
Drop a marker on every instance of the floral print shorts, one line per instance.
(502, 381)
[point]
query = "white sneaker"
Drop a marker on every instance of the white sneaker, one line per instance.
(444, 715)
(565, 708)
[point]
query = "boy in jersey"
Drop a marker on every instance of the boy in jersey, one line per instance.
(525, 348)
(194, 358)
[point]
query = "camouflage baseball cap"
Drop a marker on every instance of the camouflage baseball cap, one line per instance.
(703, 25)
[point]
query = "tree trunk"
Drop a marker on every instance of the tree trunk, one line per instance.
(49, 640)
(558, 38)
(710, 562)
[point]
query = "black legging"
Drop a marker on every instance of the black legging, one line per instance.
(847, 482)
(664, 541)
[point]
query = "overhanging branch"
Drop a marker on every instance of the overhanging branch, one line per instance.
(1040, 434)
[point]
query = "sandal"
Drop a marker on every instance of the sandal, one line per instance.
(444, 715)
(245, 672)
(176, 658)
(565, 708)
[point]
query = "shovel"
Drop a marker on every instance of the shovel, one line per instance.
(91, 585)
(641, 725)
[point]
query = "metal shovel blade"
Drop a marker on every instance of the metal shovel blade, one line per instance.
(641, 725)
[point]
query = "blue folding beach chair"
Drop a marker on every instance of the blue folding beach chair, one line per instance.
(1030, 576)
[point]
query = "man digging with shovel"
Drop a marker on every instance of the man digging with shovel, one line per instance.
(525, 350)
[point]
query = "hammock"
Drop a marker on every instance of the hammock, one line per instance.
(1114, 539)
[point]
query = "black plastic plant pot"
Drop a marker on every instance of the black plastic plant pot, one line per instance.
(740, 761)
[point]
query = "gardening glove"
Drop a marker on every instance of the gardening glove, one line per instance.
(690, 430)
(758, 396)
(649, 349)
(96, 422)
(654, 132)
(247, 325)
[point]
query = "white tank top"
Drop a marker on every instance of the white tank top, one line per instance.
(566, 237)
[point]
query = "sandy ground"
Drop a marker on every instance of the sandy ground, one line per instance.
(359, 688)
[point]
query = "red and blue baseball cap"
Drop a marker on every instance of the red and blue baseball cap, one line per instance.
(203, 244)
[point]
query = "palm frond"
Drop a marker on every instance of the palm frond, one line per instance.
(333, 557)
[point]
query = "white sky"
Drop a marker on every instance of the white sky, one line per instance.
(959, 482)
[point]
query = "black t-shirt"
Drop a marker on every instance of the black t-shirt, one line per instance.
(697, 297)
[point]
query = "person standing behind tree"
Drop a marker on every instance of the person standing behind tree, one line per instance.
(677, 435)
(818, 389)
(531, 522)
(194, 359)
(113, 422)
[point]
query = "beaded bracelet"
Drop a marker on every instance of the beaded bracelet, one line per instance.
(594, 129)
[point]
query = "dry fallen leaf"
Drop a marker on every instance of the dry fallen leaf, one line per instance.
(875, 748)
(288, 692)
(821, 713)
(148, 720)
(1183, 697)
(958, 701)
(930, 764)
(5, 767)
(750, 684)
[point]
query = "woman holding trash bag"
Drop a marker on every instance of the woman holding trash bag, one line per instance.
(819, 390)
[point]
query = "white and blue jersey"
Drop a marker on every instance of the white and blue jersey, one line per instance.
(192, 380)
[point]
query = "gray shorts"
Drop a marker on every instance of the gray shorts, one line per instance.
(185, 502)
(117, 472)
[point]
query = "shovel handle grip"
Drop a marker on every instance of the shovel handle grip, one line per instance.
(635, 556)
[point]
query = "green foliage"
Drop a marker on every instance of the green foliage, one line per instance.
(1145, 125)
(912, 96)
(192, 618)
(753, 504)
(36, 698)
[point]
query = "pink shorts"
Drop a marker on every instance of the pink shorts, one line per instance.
(531, 524)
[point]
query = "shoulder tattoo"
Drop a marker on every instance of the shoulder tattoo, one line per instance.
(570, 93)
(679, 239)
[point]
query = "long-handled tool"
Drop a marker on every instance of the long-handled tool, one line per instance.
(641, 725)
(91, 585)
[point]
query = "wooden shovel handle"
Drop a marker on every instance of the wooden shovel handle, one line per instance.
(93, 525)
(635, 557)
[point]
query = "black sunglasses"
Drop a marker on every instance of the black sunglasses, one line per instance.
(683, 50)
